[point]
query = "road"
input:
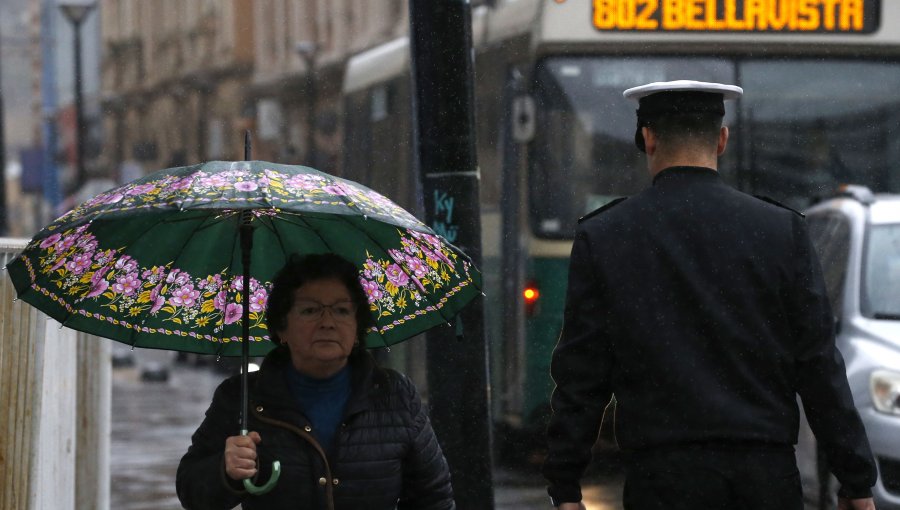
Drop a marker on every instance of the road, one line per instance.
(153, 421)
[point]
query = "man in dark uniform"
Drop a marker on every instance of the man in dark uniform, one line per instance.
(704, 311)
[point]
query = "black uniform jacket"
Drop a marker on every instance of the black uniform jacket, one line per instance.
(704, 311)
(385, 455)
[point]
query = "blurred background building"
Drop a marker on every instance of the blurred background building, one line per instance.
(172, 82)
(182, 80)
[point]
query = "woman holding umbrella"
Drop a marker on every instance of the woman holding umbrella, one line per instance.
(348, 433)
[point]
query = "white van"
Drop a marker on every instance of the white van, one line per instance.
(857, 237)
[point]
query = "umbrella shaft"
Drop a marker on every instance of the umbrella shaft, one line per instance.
(246, 233)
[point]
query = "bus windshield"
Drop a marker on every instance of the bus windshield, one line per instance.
(881, 290)
(802, 127)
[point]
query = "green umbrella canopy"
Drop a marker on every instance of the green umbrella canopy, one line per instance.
(156, 263)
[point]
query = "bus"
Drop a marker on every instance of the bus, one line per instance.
(555, 137)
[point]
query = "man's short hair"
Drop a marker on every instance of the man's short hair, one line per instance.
(700, 129)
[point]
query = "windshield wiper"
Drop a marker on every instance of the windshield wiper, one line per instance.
(887, 316)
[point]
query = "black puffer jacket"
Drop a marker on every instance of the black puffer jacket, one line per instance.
(385, 456)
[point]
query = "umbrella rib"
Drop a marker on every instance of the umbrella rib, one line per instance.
(346, 199)
(274, 229)
(103, 209)
(375, 242)
(231, 266)
(71, 313)
(303, 221)
(112, 263)
(266, 197)
(177, 254)
(307, 224)
(187, 196)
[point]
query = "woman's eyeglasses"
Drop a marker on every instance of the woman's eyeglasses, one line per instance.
(309, 310)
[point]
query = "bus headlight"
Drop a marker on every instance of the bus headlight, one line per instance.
(885, 388)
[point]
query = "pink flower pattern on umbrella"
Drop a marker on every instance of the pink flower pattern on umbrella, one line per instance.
(184, 296)
(221, 300)
(246, 186)
(270, 183)
(98, 287)
(258, 300)
(166, 294)
(373, 291)
(118, 281)
(50, 241)
(233, 313)
(156, 300)
(402, 281)
(396, 276)
(336, 190)
(80, 263)
(213, 181)
(126, 285)
(140, 189)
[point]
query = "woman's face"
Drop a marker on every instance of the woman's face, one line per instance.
(321, 327)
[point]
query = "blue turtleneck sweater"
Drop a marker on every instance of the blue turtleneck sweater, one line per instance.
(322, 401)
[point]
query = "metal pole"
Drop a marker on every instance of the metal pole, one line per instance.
(310, 110)
(49, 132)
(512, 265)
(246, 233)
(81, 174)
(3, 215)
(444, 146)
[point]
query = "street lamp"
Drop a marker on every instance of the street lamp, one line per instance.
(76, 11)
(308, 50)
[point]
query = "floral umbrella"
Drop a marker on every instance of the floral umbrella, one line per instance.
(183, 259)
(156, 263)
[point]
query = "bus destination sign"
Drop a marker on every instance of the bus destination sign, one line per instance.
(768, 16)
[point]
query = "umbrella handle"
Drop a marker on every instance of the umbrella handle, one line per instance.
(256, 490)
(266, 487)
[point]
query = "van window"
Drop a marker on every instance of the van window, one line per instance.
(880, 297)
(830, 234)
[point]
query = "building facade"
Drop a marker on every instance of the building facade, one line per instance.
(173, 74)
(183, 79)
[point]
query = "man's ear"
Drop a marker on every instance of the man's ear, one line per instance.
(723, 140)
(649, 140)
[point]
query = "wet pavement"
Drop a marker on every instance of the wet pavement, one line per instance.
(152, 423)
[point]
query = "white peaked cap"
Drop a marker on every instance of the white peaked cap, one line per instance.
(727, 91)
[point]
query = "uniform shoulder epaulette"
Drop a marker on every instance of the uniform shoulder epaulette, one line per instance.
(602, 208)
(779, 204)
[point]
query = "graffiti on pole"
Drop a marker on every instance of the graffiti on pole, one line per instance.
(443, 216)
